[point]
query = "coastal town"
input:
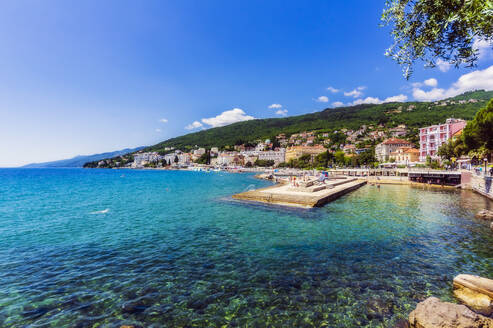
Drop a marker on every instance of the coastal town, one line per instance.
(369, 146)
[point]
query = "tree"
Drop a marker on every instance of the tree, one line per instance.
(337, 138)
(437, 31)
(203, 159)
(275, 143)
(176, 160)
(355, 161)
(446, 150)
(264, 163)
(478, 133)
(339, 157)
(367, 157)
(323, 159)
(432, 163)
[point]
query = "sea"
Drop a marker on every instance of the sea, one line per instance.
(106, 248)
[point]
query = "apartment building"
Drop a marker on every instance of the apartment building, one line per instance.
(432, 137)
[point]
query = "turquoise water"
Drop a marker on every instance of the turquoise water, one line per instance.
(87, 248)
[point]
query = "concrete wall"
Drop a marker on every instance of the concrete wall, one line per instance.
(482, 185)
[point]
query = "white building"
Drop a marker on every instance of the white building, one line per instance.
(278, 156)
(260, 147)
(141, 159)
(224, 159)
(383, 150)
(199, 152)
(170, 158)
(184, 159)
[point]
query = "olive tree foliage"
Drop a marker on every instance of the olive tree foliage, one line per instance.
(437, 31)
(478, 133)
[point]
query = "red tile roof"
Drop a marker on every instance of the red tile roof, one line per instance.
(394, 141)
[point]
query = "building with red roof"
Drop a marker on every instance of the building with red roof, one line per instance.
(383, 150)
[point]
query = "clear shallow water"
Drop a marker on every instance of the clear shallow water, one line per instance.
(84, 248)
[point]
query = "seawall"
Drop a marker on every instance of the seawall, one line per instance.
(482, 185)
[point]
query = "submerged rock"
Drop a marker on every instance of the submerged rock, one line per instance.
(401, 323)
(485, 215)
(475, 292)
(133, 307)
(433, 313)
(377, 308)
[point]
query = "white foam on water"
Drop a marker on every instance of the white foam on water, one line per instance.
(101, 212)
(249, 188)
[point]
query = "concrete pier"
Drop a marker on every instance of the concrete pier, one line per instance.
(312, 196)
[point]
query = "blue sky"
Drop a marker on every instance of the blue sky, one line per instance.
(94, 76)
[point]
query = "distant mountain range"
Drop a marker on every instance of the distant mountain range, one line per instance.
(80, 160)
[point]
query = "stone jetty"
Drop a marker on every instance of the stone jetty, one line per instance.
(305, 194)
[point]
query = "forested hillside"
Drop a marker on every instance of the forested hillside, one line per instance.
(413, 114)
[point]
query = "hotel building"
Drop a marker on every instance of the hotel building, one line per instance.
(384, 149)
(432, 137)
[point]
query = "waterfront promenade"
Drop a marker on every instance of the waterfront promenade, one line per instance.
(342, 181)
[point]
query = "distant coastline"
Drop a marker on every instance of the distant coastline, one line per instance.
(80, 160)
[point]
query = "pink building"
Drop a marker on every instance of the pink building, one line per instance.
(432, 137)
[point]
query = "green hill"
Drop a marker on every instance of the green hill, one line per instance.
(413, 114)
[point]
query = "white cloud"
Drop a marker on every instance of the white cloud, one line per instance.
(431, 82)
(356, 92)
(333, 90)
(443, 65)
(433, 94)
(194, 125)
(323, 99)
(163, 120)
(398, 98)
(228, 117)
(476, 80)
(275, 106)
(367, 100)
(282, 112)
(337, 104)
(483, 48)
(158, 130)
(376, 100)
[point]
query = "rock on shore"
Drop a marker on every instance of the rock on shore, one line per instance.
(475, 292)
(433, 313)
(485, 215)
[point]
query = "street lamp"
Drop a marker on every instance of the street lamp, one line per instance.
(485, 165)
